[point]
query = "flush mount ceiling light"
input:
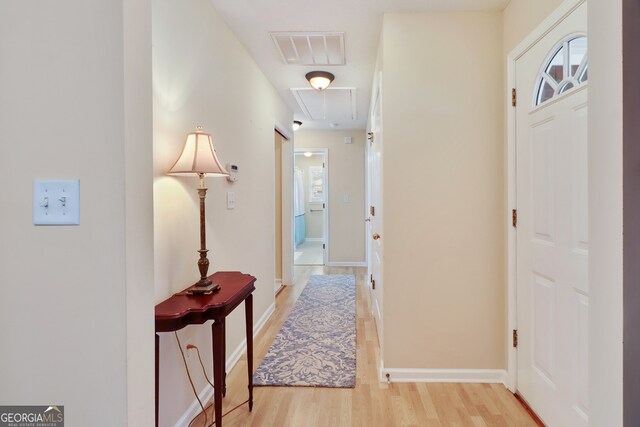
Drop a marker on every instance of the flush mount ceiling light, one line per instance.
(296, 125)
(320, 80)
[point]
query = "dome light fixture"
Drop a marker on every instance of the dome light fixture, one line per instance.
(308, 154)
(320, 80)
(296, 125)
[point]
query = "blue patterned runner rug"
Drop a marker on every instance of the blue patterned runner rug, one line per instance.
(316, 346)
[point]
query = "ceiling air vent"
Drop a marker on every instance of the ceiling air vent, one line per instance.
(317, 48)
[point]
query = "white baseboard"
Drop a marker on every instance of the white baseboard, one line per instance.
(314, 239)
(242, 347)
(277, 285)
(347, 264)
(194, 409)
(206, 394)
(401, 375)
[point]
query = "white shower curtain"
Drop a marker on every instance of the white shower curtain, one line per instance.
(298, 193)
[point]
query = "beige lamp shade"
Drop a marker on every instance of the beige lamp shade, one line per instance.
(199, 156)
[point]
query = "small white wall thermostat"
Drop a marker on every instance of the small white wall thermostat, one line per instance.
(233, 172)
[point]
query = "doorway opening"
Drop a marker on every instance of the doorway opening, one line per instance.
(310, 206)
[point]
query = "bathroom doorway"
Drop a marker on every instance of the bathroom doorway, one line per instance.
(310, 206)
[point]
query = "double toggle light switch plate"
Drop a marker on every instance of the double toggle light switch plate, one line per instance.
(56, 202)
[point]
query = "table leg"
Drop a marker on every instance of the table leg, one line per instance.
(248, 311)
(217, 332)
(157, 373)
(224, 357)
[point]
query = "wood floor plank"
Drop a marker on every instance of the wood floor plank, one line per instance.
(371, 403)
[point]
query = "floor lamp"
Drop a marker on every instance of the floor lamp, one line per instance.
(199, 157)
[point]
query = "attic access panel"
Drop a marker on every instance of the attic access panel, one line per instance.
(334, 103)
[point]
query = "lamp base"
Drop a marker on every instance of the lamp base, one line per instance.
(204, 281)
(198, 289)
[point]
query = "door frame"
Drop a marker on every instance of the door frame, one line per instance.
(287, 202)
(368, 202)
(548, 24)
(374, 126)
(285, 269)
(324, 152)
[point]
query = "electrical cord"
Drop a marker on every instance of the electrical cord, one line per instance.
(223, 415)
(205, 414)
(204, 371)
(193, 387)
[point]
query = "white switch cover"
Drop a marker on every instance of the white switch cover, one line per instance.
(56, 202)
(231, 200)
(346, 198)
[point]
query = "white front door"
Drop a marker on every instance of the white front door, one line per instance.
(552, 224)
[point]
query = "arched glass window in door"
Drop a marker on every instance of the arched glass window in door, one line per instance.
(565, 69)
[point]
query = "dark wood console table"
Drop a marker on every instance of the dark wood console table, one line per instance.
(179, 311)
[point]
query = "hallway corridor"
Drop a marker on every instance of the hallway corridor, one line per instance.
(370, 403)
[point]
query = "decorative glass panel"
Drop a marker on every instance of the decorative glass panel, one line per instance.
(555, 68)
(583, 77)
(565, 69)
(577, 53)
(546, 92)
(566, 87)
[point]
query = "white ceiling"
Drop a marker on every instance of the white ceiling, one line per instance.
(360, 20)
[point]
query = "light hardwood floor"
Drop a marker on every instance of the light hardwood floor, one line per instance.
(370, 403)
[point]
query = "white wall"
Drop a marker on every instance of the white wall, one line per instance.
(138, 158)
(346, 176)
(67, 81)
(443, 192)
(521, 17)
(202, 75)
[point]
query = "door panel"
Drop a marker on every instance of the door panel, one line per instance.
(543, 190)
(544, 320)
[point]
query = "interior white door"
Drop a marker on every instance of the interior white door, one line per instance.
(552, 237)
(375, 214)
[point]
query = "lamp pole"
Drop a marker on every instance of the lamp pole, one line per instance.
(203, 262)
